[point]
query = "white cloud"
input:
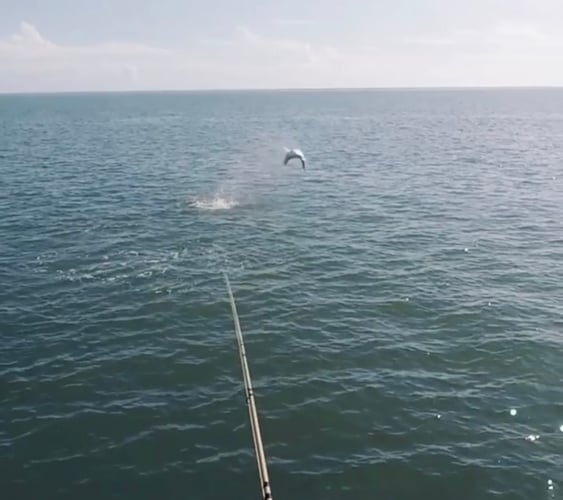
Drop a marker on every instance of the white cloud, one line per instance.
(509, 53)
(246, 59)
(29, 42)
(300, 52)
(523, 35)
(132, 72)
(294, 22)
(505, 36)
(28, 61)
(29, 37)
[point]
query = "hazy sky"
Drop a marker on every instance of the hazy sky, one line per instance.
(52, 45)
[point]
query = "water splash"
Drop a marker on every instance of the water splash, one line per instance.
(215, 203)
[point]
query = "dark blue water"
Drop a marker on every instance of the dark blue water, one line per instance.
(399, 297)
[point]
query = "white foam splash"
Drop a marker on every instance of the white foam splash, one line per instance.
(216, 203)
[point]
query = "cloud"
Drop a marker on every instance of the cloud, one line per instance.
(430, 41)
(132, 72)
(279, 48)
(29, 42)
(508, 53)
(523, 35)
(258, 52)
(504, 36)
(28, 61)
(294, 22)
(29, 37)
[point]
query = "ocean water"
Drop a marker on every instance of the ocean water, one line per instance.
(401, 298)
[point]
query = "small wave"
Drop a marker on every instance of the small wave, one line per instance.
(216, 203)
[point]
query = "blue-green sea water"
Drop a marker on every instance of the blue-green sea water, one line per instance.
(401, 298)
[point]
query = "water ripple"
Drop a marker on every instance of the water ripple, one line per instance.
(399, 297)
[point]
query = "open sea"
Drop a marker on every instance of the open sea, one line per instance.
(401, 298)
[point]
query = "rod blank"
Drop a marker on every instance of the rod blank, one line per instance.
(250, 401)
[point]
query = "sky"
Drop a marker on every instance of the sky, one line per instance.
(93, 45)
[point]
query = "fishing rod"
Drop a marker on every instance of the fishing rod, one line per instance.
(256, 436)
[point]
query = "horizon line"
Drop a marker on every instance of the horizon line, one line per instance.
(284, 89)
